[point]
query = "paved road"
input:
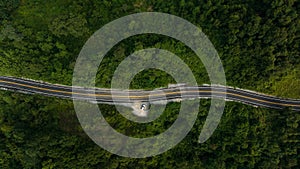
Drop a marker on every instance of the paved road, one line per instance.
(178, 93)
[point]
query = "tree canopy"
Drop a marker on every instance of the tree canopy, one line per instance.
(258, 43)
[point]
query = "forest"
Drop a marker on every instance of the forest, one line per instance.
(257, 41)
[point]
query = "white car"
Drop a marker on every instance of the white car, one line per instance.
(143, 107)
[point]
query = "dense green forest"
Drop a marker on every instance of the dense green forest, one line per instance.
(258, 43)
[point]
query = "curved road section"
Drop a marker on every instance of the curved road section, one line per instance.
(170, 94)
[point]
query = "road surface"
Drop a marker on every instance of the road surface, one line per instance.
(177, 93)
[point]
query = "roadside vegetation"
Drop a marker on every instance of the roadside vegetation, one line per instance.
(258, 43)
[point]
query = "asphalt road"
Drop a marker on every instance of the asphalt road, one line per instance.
(114, 96)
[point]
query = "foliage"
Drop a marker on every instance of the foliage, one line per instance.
(258, 43)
